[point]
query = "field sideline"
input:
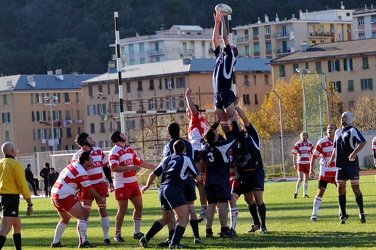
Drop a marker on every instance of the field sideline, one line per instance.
(288, 223)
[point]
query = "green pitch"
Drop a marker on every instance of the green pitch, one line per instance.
(288, 223)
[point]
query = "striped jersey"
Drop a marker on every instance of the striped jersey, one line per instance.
(303, 150)
(120, 156)
(324, 148)
(374, 144)
(196, 130)
(70, 181)
(95, 172)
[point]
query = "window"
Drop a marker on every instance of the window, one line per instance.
(67, 115)
(351, 105)
(246, 80)
(101, 109)
(294, 67)
(266, 79)
(66, 97)
(365, 63)
(7, 137)
(180, 82)
(268, 46)
(362, 36)
(131, 48)
(91, 109)
(141, 47)
(142, 60)
(151, 84)
(139, 85)
(256, 47)
(282, 72)
(32, 116)
(169, 83)
(122, 52)
(347, 64)
(5, 117)
(254, 79)
(92, 128)
(256, 101)
(246, 100)
(181, 104)
(108, 89)
(90, 91)
(100, 88)
(77, 98)
(151, 104)
(129, 106)
(160, 84)
(267, 30)
(350, 85)
(132, 62)
(78, 115)
(255, 32)
(5, 100)
(69, 132)
(117, 107)
(361, 21)
(42, 134)
(103, 144)
(366, 84)
(373, 19)
(170, 104)
(102, 129)
(131, 124)
(337, 86)
(373, 34)
(58, 133)
(41, 115)
(116, 88)
(333, 66)
(128, 87)
(318, 67)
(246, 49)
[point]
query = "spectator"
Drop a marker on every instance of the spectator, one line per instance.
(44, 174)
(30, 178)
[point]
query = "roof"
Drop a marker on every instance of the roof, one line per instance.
(320, 51)
(43, 82)
(182, 66)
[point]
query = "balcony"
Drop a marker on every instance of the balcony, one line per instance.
(281, 35)
(155, 52)
(240, 40)
(186, 52)
(281, 52)
(320, 34)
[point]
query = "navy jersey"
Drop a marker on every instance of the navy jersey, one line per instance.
(345, 140)
(175, 169)
(217, 159)
(189, 151)
(223, 69)
(253, 144)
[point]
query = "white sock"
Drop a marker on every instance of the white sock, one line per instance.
(305, 187)
(298, 183)
(137, 225)
(81, 230)
(234, 217)
(203, 208)
(316, 204)
(105, 223)
(60, 228)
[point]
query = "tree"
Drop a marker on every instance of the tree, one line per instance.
(365, 114)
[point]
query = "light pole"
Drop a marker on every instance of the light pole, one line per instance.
(281, 127)
(51, 103)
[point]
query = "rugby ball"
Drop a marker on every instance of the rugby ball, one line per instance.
(224, 8)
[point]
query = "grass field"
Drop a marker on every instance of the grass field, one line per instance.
(288, 223)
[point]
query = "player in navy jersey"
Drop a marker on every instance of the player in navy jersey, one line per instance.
(217, 184)
(175, 169)
(252, 176)
(348, 141)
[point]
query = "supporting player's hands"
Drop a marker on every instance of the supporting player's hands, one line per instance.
(112, 188)
(144, 188)
(352, 156)
(29, 210)
(217, 17)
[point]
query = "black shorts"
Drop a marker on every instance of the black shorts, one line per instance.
(324, 184)
(252, 181)
(189, 189)
(345, 173)
(171, 196)
(224, 99)
(218, 192)
(10, 204)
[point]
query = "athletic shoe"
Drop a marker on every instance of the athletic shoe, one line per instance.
(165, 243)
(57, 245)
(143, 242)
(209, 235)
(201, 217)
(362, 218)
(138, 236)
(197, 241)
(229, 234)
(118, 238)
(178, 246)
(343, 219)
(36, 194)
(305, 196)
(263, 230)
(254, 228)
(86, 244)
(295, 195)
(106, 242)
(314, 217)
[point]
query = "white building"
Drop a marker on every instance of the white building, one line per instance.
(365, 23)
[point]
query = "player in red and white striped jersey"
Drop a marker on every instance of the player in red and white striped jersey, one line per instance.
(301, 157)
(324, 148)
(71, 180)
(374, 150)
(124, 163)
(96, 174)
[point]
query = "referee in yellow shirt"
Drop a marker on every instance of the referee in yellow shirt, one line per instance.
(12, 184)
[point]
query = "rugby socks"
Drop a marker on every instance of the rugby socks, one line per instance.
(203, 209)
(2, 241)
(342, 204)
(171, 233)
(105, 224)
(17, 241)
(253, 210)
(359, 201)
(81, 230)
(316, 204)
(305, 187)
(298, 183)
(178, 234)
(234, 217)
(60, 228)
(155, 228)
(194, 226)
(137, 225)
(262, 213)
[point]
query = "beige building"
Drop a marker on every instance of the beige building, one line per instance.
(160, 87)
(26, 105)
(276, 38)
(349, 65)
(180, 41)
(365, 23)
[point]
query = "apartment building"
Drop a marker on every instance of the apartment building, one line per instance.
(277, 38)
(365, 23)
(41, 112)
(178, 42)
(160, 88)
(349, 66)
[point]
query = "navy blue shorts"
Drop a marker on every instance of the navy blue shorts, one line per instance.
(252, 181)
(347, 173)
(218, 192)
(171, 196)
(224, 99)
(10, 204)
(189, 189)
